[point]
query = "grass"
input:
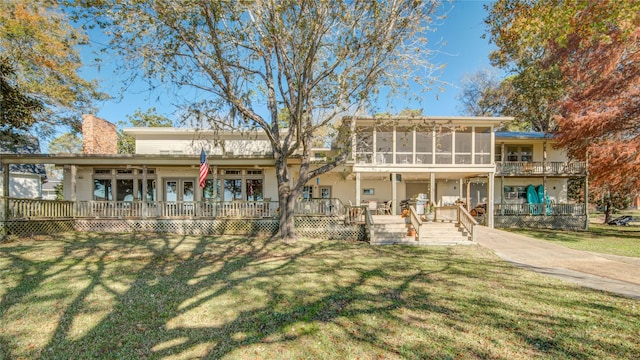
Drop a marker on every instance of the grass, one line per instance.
(601, 238)
(109, 296)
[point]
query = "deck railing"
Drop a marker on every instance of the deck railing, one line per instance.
(355, 213)
(455, 214)
(539, 209)
(319, 206)
(550, 168)
(43, 209)
(30, 208)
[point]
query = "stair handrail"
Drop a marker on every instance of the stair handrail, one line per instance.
(368, 223)
(469, 223)
(415, 220)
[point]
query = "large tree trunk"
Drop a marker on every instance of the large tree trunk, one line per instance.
(608, 211)
(286, 197)
(287, 230)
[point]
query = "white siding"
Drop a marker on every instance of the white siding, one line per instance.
(193, 147)
(23, 186)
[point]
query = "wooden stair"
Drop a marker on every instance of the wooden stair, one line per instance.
(390, 230)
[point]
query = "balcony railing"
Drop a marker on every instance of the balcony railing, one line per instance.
(44, 209)
(550, 168)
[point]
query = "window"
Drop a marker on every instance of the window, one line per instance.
(232, 189)
(102, 189)
(384, 145)
(463, 140)
(443, 146)
(125, 183)
(364, 145)
(325, 192)
(208, 192)
(235, 184)
(483, 145)
(523, 153)
(515, 192)
(424, 147)
(124, 190)
(151, 190)
(404, 145)
(307, 192)
(254, 190)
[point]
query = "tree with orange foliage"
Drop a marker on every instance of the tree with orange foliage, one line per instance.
(591, 50)
(40, 58)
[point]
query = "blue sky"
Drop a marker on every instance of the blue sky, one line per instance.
(465, 52)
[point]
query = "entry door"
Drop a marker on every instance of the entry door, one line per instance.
(325, 193)
(179, 195)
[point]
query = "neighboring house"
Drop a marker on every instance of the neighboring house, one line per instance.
(25, 180)
(49, 189)
(445, 160)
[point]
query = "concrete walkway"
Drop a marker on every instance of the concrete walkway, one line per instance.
(617, 274)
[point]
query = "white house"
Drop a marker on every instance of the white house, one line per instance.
(445, 160)
(24, 180)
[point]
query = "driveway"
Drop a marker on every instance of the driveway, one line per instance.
(617, 274)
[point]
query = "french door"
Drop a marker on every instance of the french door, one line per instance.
(179, 195)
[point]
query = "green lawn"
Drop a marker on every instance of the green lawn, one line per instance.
(106, 296)
(606, 239)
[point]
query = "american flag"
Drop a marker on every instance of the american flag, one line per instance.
(204, 168)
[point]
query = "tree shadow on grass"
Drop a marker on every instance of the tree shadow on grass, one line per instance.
(227, 296)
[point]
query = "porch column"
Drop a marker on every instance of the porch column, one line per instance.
(214, 172)
(5, 184)
(502, 190)
(69, 187)
(357, 189)
(5, 198)
(374, 149)
(490, 200)
(393, 144)
(5, 191)
(394, 194)
(354, 148)
(544, 178)
(144, 191)
(468, 195)
(432, 188)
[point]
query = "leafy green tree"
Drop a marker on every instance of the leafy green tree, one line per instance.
(67, 143)
(149, 118)
(59, 189)
(39, 69)
(17, 109)
(247, 60)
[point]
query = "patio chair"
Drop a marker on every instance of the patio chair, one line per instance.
(385, 209)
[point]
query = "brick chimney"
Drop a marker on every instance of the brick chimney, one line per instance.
(98, 136)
